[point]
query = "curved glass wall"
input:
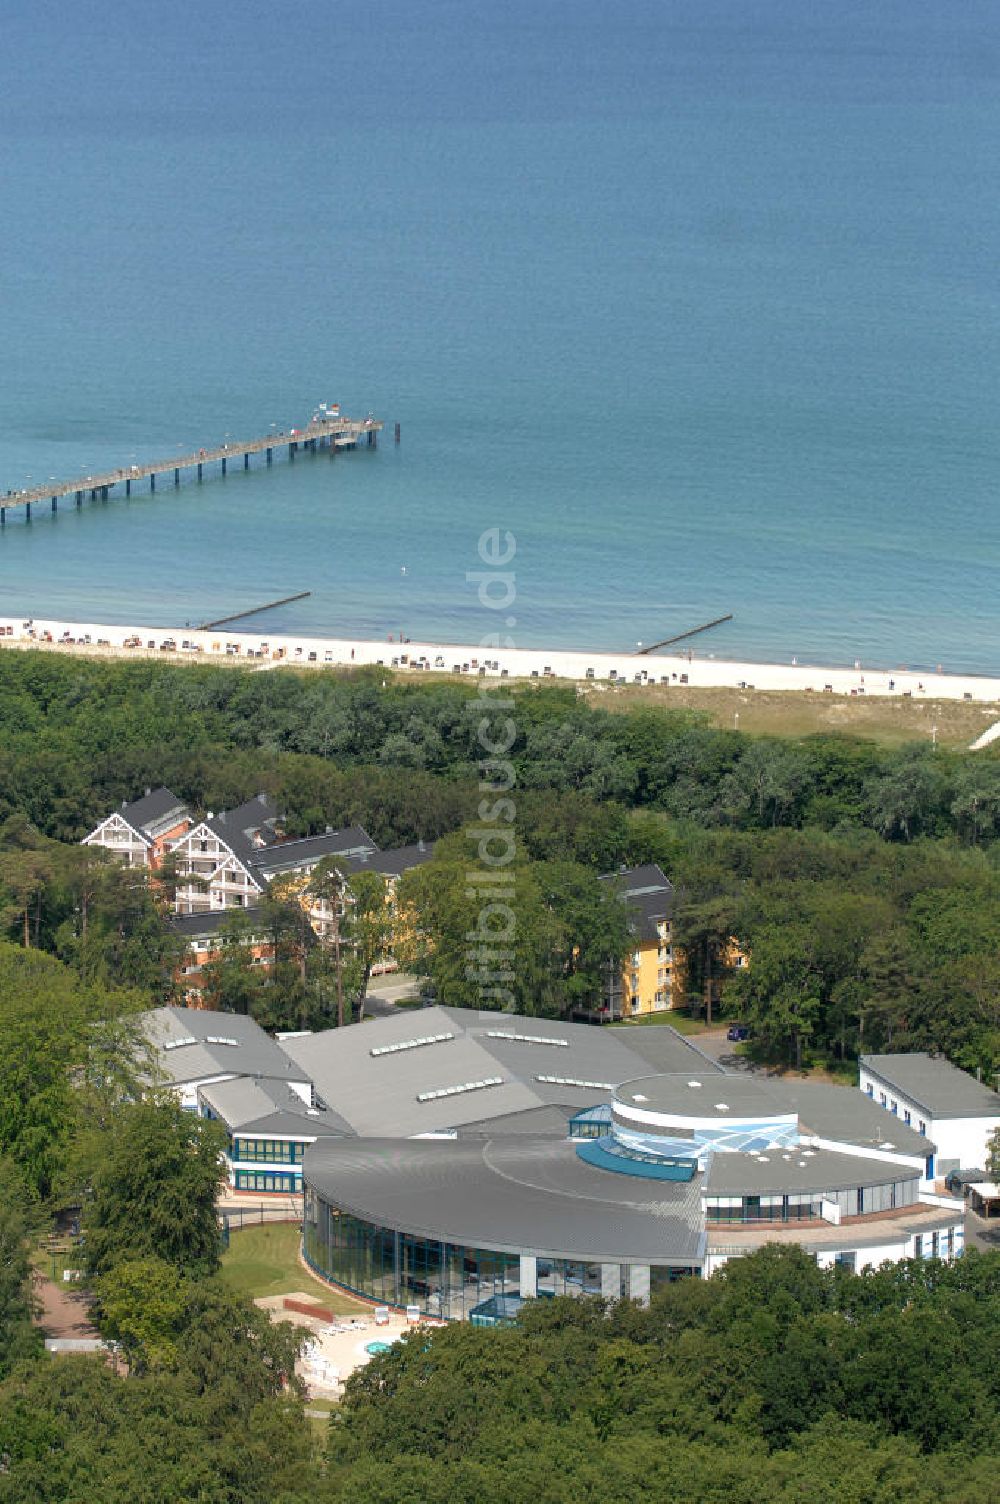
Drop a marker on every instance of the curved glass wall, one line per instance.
(447, 1280)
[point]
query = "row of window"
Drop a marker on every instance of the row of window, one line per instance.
(892, 1106)
(251, 1180)
(267, 1150)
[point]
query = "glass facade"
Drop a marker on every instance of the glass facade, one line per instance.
(399, 1269)
(795, 1208)
(447, 1280)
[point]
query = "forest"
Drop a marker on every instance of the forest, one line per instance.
(861, 880)
(862, 883)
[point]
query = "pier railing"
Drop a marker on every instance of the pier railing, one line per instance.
(334, 432)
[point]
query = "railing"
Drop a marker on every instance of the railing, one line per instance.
(334, 428)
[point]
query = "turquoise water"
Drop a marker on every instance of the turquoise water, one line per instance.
(698, 299)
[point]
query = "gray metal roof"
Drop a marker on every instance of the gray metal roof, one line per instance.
(246, 826)
(703, 1094)
(513, 1193)
(254, 1053)
(798, 1170)
(934, 1084)
(377, 1094)
(663, 1049)
(823, 1110)
(251, 1106)
(547, 1120)
(833, 1112)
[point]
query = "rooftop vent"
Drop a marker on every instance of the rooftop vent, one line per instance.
(454, 1091)
(220, 1039)
(409, 1044)
(572, 1081)
(722, 1106)
(176, 1044)
(695, 1084)
(639, 1097)
(526, 1038)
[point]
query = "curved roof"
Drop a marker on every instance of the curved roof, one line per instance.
(517, 1194)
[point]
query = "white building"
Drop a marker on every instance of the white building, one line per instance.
(141, 833)
(957, 1113)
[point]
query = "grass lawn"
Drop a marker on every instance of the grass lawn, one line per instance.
(264, 1260)
(793, 713)
(682, 1022)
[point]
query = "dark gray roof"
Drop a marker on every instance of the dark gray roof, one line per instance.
(391, 863)
(247, 829)
(798, 1170)
(250, 1106)
(155, 811)
(284, 856)
(513, 1193)
(255, 1053)
(934, 1084)
(648, 894)
(207, 924)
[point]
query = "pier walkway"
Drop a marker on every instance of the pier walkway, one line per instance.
(331, 433)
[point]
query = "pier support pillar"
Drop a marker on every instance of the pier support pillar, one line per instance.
(199, 470)
(372, 437)
(269, 456)
(55, 504)
(223, 465)
(397, 433)
(128, 490)
(104, 493)
(246, 461)
(177, 475)
(291, 451)
(93, 493)
(27, 511)
(3, 516)
(79, 495)
(152, 482)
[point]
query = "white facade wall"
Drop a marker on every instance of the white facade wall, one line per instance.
(115, 834)
(950, 1245)
(958, 1143)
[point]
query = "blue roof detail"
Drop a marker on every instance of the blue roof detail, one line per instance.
(608, 1154)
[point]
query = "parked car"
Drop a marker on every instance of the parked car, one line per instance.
(737, 1033)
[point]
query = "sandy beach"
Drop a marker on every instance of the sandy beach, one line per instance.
(493, 663)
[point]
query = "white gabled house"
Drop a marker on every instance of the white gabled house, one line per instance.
(141, 833)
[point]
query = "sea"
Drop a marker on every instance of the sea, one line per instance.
(698, 300)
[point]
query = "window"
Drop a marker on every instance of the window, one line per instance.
(894, 1108)
(870, 1089)
(881, 1099)
(906, 1116)
(846, 1260)
(860, 1202)
(922, 1127)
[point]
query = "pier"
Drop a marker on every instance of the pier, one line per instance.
(330, 433)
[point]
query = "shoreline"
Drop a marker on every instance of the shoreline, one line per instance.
(464, 661)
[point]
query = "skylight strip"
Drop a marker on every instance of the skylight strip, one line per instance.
(572, 1081)
(409, 1044)
(454, 1091)
(526, 1038)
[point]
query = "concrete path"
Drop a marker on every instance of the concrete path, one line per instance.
(989, 735)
